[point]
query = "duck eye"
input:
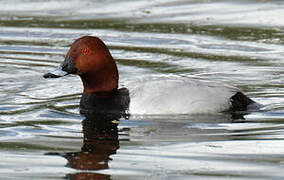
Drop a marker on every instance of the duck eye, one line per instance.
(85, 51)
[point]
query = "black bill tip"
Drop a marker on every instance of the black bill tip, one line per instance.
(50, 75)
(56, 73)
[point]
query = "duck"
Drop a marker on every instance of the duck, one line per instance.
(90, 58)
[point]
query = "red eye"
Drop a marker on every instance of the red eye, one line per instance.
(85, 51)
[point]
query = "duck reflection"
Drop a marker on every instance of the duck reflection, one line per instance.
(101, 138)
(99, 143)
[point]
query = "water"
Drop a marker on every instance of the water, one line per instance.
(42, 135)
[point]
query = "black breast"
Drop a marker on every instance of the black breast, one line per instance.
(115, 104)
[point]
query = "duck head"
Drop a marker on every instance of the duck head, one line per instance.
(90, 58)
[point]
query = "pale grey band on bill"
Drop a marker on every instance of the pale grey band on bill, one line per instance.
(58, 72)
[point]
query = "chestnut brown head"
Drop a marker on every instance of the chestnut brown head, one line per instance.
(90, 58)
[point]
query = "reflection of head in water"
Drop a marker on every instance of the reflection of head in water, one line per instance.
(100, 142)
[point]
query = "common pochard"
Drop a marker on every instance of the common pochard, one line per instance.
(90, 58)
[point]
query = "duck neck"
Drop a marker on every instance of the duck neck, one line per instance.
(100, 83)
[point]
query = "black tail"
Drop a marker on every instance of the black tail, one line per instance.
(240, 102)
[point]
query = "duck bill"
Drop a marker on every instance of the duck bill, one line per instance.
(67, 67)
(58, 72)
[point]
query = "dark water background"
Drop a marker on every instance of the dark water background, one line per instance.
(237, 42)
